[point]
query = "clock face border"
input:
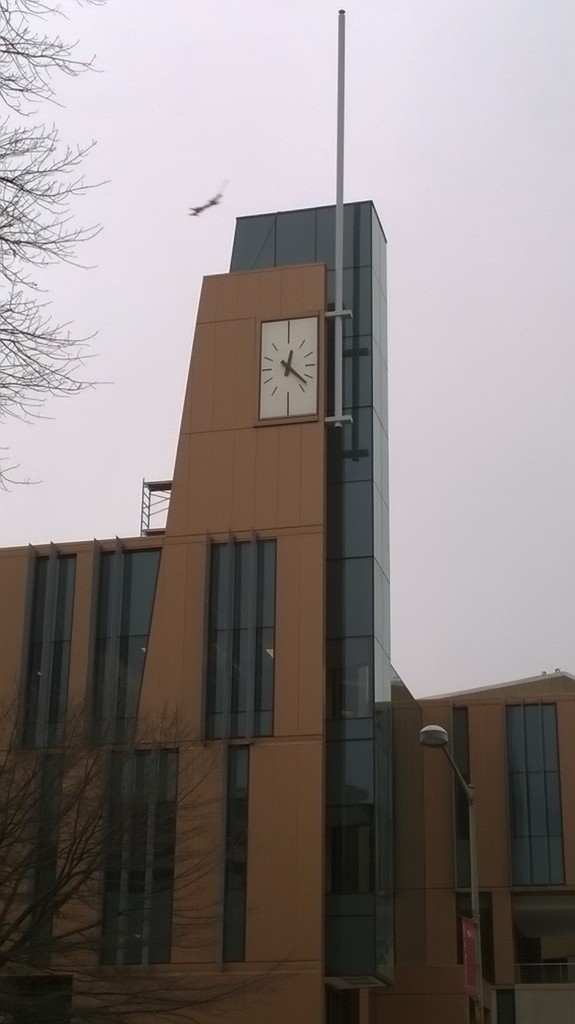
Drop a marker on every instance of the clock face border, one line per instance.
(288, 369)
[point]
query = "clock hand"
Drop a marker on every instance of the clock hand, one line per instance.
(289, 369)
(298, 375)
(288, 364)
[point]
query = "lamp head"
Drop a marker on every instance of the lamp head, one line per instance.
(433, 736)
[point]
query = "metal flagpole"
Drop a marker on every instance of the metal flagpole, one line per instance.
(339, 312)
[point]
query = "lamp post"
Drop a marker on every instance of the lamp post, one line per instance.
(436, 736)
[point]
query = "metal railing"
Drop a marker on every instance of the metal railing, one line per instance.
(546, 972)
(155, 504)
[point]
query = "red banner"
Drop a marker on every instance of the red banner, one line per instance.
(469, 936)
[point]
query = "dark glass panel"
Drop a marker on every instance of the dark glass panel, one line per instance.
(539, 854)
(236, 854)
(357, 371)
(506, 1006)
(356, 235)
(537, 808)
(535, 801)
(103, 618)
(295, 237)
(533, 737)
(140, 855)
(350, 772)
(350, 858)
(350, 448)
(515, 739)
(32, 695)
(240, 669)
(39, 599)
(350, 519)
(266, 596)
(460, 739)
(263, 723)
(350, 597)
(519, 822)
(264, 682)
(254, 243)
(553, 799)
(550, 746)
(242, 584)
(219, 586)
(140, 574)
(342, 1007)
(48, 659)
(556, 867)
(350, 944)
(240, 651)
(520, 861)
(46, 849)
(357, 296)
(349, 677)
(65, 597)
(216, 672)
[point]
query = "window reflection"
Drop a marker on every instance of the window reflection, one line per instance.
(241, 639)
(46, 686)
(534, 795)
(126, 589)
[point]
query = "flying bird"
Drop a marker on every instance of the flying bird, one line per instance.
(214, 201)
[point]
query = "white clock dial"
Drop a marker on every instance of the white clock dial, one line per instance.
(289, 368)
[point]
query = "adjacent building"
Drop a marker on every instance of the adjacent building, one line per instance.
(514, 742)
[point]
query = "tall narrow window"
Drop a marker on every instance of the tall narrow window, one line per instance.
(44, 865)
(534, 795)
(461, 806)
(46, 681)
(126, 591)
(139, 860)
(241, 639)
(234, 936)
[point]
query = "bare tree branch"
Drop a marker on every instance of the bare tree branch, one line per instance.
(40, 179)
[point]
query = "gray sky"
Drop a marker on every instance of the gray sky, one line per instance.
(460, 127)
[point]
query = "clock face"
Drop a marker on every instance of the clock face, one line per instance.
(289, 368)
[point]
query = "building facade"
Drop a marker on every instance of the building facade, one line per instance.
(272, 836)
(256, 624)
(514, 742)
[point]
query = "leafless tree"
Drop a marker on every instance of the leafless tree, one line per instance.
(40, 177)
(69, 829)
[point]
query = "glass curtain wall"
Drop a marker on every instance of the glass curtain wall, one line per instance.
(359, 919)
(126, 589)
(46, 682)
(534, 795)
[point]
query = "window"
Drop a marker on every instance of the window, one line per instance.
(349, 678)
(127, 584)
(241, 639)
(46, 681)
(342, 1006)
(234, 936)
(534, 795)
(44, 868)
(139, 860)
(461, 757)
(506, 1006)
(350, 854)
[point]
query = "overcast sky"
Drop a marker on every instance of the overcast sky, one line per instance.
(461, 128)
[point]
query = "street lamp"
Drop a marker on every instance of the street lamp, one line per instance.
(436, 736)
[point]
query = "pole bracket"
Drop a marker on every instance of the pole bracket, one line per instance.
(341, 313)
